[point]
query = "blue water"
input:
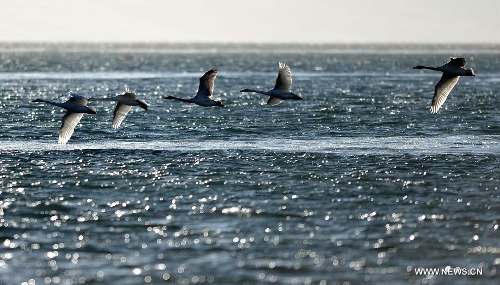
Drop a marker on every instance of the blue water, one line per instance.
(356, 184)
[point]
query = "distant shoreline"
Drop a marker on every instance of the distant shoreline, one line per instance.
(248, 47)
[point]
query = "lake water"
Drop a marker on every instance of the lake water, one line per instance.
(356, 184)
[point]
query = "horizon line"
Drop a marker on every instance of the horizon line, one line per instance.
(243, 43)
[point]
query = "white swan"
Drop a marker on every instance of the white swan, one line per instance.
(124, 103)
(76, 106)
(205, 90)
(451, 73)
(283, 88)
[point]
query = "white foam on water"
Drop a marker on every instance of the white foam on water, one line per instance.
(94, 75)
(353, 145)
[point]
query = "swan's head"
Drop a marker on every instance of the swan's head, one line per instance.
(219, 104)
(469, 72)
(297, 96)
(91, 110)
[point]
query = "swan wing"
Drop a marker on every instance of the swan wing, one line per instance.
(121, 110)
(458, 62)
(77, 99)
(69, 122)
(284, 80)
(206, 87)
(128, 94)
(441, 91)
(273, 101)
(454, 67)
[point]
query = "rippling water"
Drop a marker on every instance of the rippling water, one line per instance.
(358, 183)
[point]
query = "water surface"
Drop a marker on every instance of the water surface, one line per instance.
(357, 183)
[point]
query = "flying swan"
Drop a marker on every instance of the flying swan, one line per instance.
(205, 90)
(451, 73)
(283, 88)
(76, 106)
(124, 103)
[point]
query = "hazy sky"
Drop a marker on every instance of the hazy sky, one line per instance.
(252, 21)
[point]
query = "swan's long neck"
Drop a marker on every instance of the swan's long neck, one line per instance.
(426, 67)
(179, 99)
(256, 91)
(49, 102)
(102, 99)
